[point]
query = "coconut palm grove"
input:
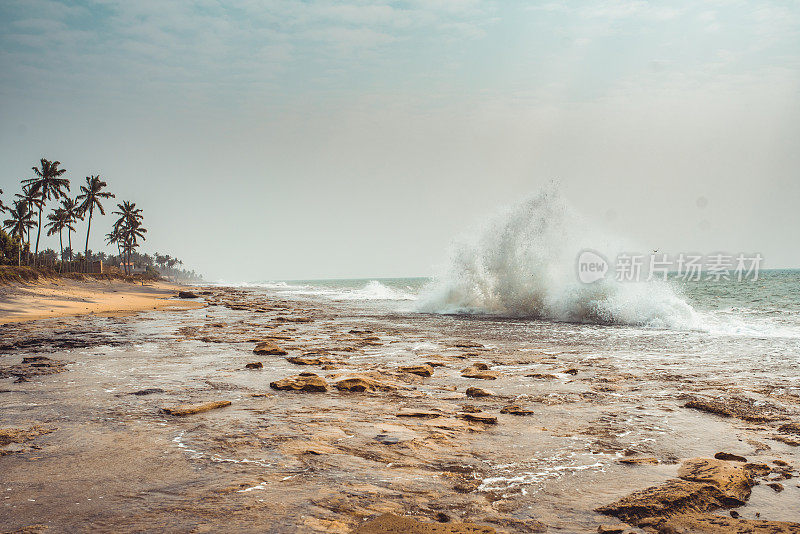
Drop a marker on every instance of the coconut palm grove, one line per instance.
(45, 206)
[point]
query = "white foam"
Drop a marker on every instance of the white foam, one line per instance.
(523, 264)
(373, 290)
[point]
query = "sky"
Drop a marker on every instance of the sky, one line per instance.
(292, 140)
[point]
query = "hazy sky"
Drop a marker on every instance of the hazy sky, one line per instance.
(276, 139)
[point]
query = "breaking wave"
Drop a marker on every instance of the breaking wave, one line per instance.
(523, 264)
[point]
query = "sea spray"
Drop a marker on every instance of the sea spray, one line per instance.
(522, 263)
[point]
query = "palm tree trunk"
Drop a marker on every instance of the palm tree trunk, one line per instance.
(38, 234)
(88, 230)
(19, 252)
(61, 244)
(69, 236)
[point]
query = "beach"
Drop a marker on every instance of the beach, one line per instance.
(288, 409)
(60, 297)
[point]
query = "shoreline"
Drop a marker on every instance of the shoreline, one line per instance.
(258, 413)
(47, 298)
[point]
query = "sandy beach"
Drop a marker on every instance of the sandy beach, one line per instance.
(60, 297)
(257, 413)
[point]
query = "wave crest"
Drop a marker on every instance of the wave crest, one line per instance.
(523, 264)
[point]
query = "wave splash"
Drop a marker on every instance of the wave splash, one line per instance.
(523, 264)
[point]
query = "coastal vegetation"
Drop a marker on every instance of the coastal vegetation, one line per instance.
(49, 188)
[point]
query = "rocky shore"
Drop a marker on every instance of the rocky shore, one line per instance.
(256, 413)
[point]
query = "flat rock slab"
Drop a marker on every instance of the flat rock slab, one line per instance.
(479, 417)
(705, 485)
(189, 409)
(674, 496)
(302, 382)
(421, 370)
(147, 391)
(33, 366)
(269, 348)
(716, 524)
(21, 435)
(359, 384)
(738, 407)
(394, 524)
(479, 392)
(309, 360)
(423, 414)
(187, 295)
(640, 460)
(790, 428)
(733, 479)
(482, 374)
(516, 409)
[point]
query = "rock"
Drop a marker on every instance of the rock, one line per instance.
(187, 295)
(302, 382)
(787, 440)
(423, 414)
(570, 371)
(269, 348)
(640, 460)
(619, 528)
(33, 366)
(362, 383)
(309, 360)
(732, 479)
(468, 345)
(147, 391)
(394, 524)
(478, 392)
(739, 407)
(515, 409)
(758, 470)
(672, 497)
(776, 486)
(421, 370)
(21, 435)
(189, 409)
(436, 364)
(472, 372)
(480, 365)
(479, 417)
(254, 365)
(730, 457)
(541, 376)
(705, 484)
(708, 523)
(790, 428)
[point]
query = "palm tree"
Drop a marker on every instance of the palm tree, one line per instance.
(70, 206)
(129, 228)
(3, 207)
(90, 196)
(47, 184)
(20, 222)
(58, 221)
(32, 202)
(114, 237)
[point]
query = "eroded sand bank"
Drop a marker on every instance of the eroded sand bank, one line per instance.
(377, 417)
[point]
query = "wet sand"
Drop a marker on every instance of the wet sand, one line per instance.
(60, 297)
(548, 434)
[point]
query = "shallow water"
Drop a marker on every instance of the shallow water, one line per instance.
(249, 466)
